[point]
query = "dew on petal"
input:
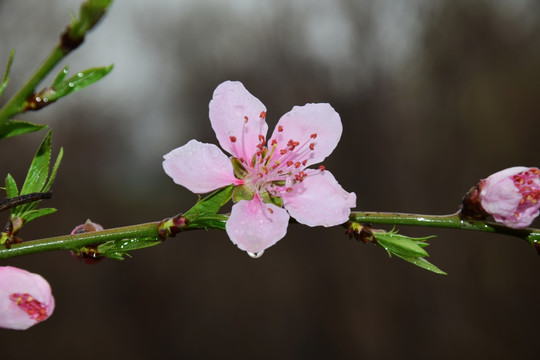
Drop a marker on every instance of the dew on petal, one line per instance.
(255, 255)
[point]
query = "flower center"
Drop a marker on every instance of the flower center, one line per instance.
(528, 185)
(274, 171)
(30, 305)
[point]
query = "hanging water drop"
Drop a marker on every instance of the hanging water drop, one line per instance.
(256, 255)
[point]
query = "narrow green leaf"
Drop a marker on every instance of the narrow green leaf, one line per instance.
(5, 80)
(216, 221)
(117, 249)
(11, 187)
(399, 245)
(61, 87)
(211, 204)
(39, 169)
(34, 214)
(54, 170)
(423, 263)
(15, 127)
(79, 81)
(60, 77)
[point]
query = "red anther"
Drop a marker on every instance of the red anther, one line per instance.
(283, 151)
(289, 163)
(262, 115)
(280, 128)
(246, 119)
(260, 175)
(313, 136)
(289, 189)
(297, 165)
(30, 305)
(304, 162)
(233, 138)
(274, 142)
(293, 143)
(322, 168)
(312, 146)
(265, 169)
(270, 211)
(261, 138)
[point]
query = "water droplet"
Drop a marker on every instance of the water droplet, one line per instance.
(80, 75)
(256, 255)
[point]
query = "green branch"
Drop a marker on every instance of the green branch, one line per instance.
(90, 13)
(452, 221)
(159, 231)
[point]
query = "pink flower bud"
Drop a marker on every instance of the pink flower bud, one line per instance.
(511, 196)
(25, 298)
(87, 254)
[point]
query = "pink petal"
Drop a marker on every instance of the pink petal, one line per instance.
(199, 167)
(230, 106)
(255, 226)
(299, 124)
(33, 287)
(319, 200)
(511, 195)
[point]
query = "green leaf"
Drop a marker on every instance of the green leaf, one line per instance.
(34, 214)
(117, 249)
(14, 127)
(11, 187)
(54, 170)
(61, 87)
(60, 77)
(216, 221)
(423, 263)
(37, 181)
(5, 80)
(400, 245)
(39, 169)
(211, 204)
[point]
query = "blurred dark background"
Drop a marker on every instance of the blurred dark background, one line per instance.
(434, 95)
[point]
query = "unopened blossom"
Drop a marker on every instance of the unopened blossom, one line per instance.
(88, 254)
(271, 177)
(25, 298)
(512, 196)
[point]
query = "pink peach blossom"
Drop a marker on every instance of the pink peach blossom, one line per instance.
(25, 298)
(511, 196)
(272, 181)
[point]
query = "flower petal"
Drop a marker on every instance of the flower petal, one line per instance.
(255, 226)
(303, 122)
(199, 167)
(230, 106)
(511, 196)
(25, 298)
(319, 200)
